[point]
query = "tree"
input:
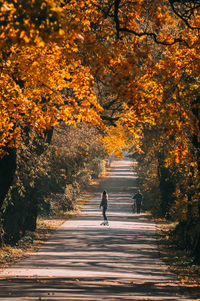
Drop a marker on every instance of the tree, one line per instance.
(135, 63)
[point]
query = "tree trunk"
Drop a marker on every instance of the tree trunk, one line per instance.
(167, 187)
(7, 171)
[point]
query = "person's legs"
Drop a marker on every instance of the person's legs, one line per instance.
(133, 207)
(138, 207)
(104, 214)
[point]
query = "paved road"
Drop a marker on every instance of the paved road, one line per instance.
(86, 261)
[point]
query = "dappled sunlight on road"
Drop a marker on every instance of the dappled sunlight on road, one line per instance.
(86, 261)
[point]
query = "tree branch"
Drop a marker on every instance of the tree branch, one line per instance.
(111, 120)
(155, 38)
(116, 10)
(140, 34)
(171, 2)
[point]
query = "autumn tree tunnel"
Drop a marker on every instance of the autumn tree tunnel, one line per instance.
(81, 80)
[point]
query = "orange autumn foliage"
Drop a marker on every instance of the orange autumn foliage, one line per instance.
(53, 53)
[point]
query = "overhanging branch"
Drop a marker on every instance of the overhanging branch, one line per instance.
(141, 34)
(191, 10)
(155, 38)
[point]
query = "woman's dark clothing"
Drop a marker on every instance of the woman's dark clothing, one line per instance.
(104, 213)
(104, 205)
(104, 201)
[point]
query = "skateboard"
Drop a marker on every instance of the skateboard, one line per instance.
(104, 224)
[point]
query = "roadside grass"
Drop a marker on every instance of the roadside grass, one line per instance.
(180, 261)
(32, 241)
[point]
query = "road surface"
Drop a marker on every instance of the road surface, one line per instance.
(86, 261)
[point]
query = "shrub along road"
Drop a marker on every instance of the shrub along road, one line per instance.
(83, 260)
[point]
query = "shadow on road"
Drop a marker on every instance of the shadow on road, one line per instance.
(86, 261)
(87, 289)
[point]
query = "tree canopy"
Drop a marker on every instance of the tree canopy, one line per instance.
(130, 68)
(59, 57)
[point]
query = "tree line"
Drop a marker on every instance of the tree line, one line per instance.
(129, 69)
(48, 177)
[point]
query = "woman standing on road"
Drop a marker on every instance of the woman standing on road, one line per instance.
(104, 205)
